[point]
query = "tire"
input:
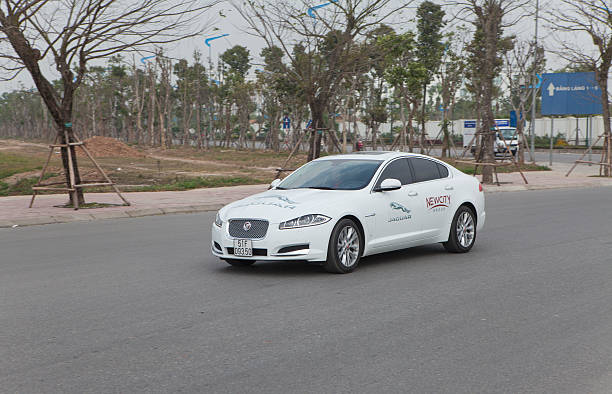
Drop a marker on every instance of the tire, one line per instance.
(239, 263)
(345, 248)
(462, 241)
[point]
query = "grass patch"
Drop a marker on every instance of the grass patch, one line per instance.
(11, 164)
(505, 170)
(199, 183)
(469, 168)
(22, 187)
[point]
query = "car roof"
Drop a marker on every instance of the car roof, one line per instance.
(373, 155)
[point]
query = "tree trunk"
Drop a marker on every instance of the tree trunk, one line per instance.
(402, 142)
(488, 135)
(152, 100)
(520, 136)
(423, 118)
(274, 133)
(228, 126)
(374, 135)
(445, 136)
(317, 123)
(64, 128)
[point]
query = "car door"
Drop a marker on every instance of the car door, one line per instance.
(435, 194)
(397, 223)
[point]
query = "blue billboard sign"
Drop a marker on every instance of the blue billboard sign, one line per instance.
(571, 94)
(513, 120)
(471, 124)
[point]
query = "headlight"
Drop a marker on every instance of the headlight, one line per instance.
(304, 221)
(218, 221)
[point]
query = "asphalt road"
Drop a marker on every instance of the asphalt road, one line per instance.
(140, 305)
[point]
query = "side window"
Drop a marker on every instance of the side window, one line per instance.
(397, 169)
(443, 170)
(424, 170)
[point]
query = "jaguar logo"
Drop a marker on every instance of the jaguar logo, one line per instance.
(282, 198)
(400, 207)
(246, 226)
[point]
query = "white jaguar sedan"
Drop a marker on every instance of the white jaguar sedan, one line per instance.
(338, 209)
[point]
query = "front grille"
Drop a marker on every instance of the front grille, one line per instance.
(258, 229)
(256, 252)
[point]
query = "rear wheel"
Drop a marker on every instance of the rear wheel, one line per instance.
(462, 232)
(239, 263)
(345, 248)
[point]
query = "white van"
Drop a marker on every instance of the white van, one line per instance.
(509, 142)
(499, 148)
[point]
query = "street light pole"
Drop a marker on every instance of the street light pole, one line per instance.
(533, 83)
(211, 80)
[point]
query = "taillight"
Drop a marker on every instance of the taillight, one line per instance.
(480, 188)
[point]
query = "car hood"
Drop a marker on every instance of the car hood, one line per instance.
(280, 205)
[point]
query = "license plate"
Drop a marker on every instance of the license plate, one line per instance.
(243, 247)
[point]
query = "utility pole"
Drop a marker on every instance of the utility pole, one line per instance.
(210, 100)
(533, 83)
(210, 82)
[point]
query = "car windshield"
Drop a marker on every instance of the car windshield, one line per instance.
(337, 174)
(508, 133)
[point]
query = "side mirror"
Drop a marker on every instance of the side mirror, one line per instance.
(389, 184)
(274, 183)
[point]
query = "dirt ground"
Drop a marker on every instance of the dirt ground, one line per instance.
(137, 169)
(133, 168)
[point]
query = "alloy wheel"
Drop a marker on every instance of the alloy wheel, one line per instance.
(465, 229)
(348, 246)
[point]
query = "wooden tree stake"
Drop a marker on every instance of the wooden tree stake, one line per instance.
(73, 186)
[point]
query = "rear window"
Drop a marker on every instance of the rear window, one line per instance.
(425, 170)
(443, 170)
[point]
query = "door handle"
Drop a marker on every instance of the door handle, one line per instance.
(413, 194)
(449, 187)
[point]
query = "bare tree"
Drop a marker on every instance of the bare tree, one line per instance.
(593, 18)
(319, 42)
(452, 76)
(489, 18)
(71, 34)
(519, 74)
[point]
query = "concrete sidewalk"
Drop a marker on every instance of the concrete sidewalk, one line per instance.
(14, 211)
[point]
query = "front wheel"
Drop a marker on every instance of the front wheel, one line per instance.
(462, 232)
(239, 263)
(345, 248)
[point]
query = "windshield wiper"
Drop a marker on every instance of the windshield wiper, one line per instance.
(320, 187)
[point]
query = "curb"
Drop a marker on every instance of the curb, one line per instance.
(133, 213)
(493, 189)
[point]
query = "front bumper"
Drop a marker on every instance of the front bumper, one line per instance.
(316, 237)
(503, 149)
